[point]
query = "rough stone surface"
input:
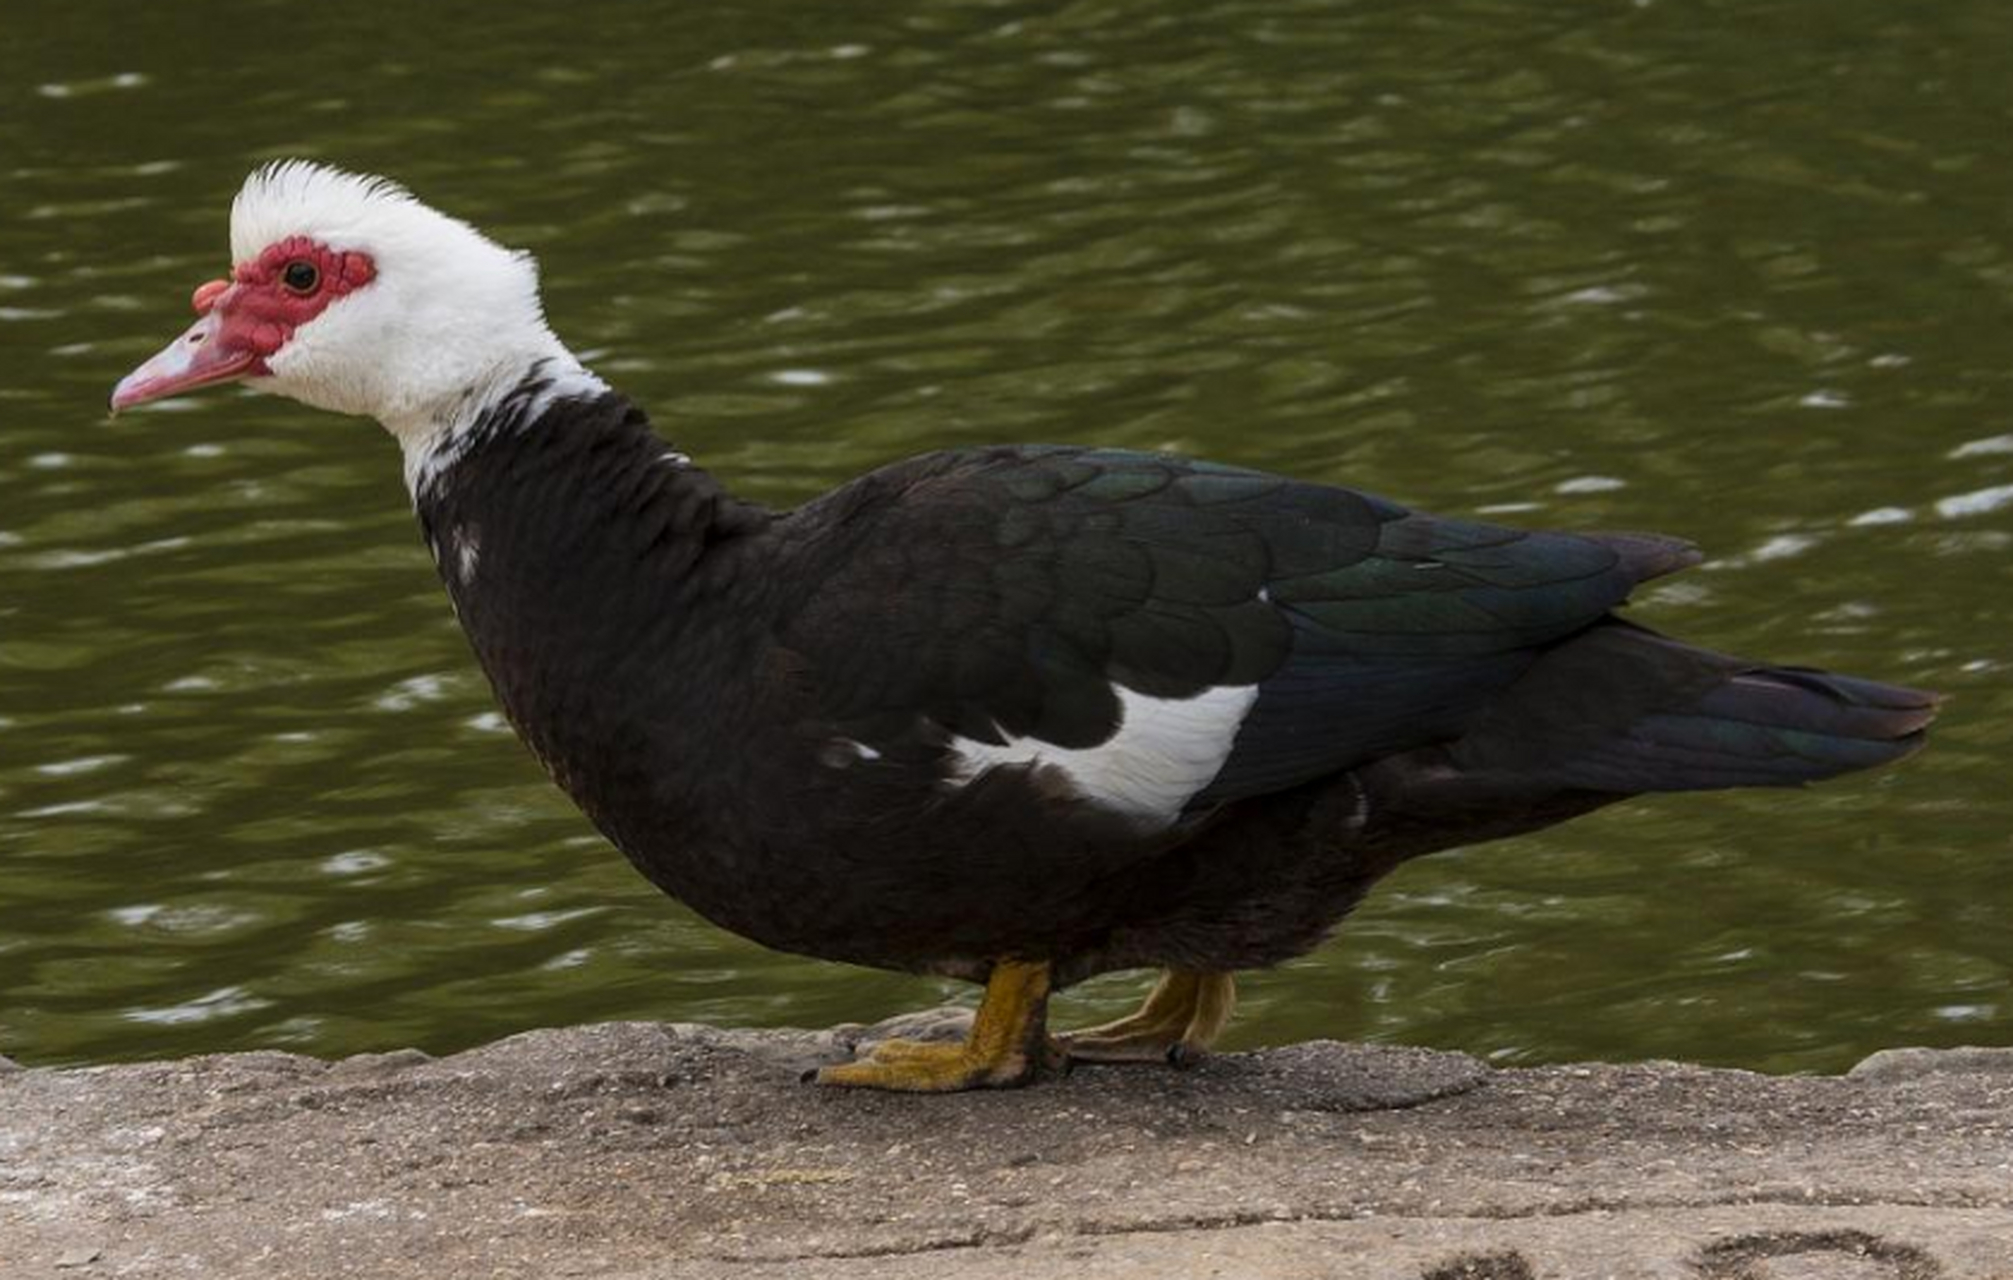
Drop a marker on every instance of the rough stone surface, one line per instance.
(646, 1151)
(1891, 1065)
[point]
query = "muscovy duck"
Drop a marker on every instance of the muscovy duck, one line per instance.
(1020, 714)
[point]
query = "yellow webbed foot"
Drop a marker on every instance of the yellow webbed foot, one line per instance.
(1005, 1046)
(921, 1067)
(1182, 1017)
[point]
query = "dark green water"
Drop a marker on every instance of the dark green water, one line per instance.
(1739, 272)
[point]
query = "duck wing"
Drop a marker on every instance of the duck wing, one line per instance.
(1172, 634)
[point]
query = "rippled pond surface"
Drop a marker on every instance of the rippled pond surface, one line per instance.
(1739, 272)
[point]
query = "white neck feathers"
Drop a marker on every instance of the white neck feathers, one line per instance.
(432, 443)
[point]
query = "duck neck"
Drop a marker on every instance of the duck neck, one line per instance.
(557, 486)
(509, 399)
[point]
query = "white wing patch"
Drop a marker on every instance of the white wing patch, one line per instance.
(1165, 751)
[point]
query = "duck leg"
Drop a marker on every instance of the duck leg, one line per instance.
(1004, 1048)
(1182, 1016)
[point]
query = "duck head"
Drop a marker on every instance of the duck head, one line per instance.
(348, 294)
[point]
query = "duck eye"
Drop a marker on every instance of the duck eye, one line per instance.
(300, 276)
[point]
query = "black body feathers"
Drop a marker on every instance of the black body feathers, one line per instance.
(1090, 706)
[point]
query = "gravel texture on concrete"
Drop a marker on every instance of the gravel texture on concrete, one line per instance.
(641, 1151)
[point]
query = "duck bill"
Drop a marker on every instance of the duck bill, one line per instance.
(200, 357)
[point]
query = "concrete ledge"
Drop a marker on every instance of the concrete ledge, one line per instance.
(642, 1151)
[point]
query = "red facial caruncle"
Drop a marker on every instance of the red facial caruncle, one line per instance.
(247, 319)
(286, 286)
